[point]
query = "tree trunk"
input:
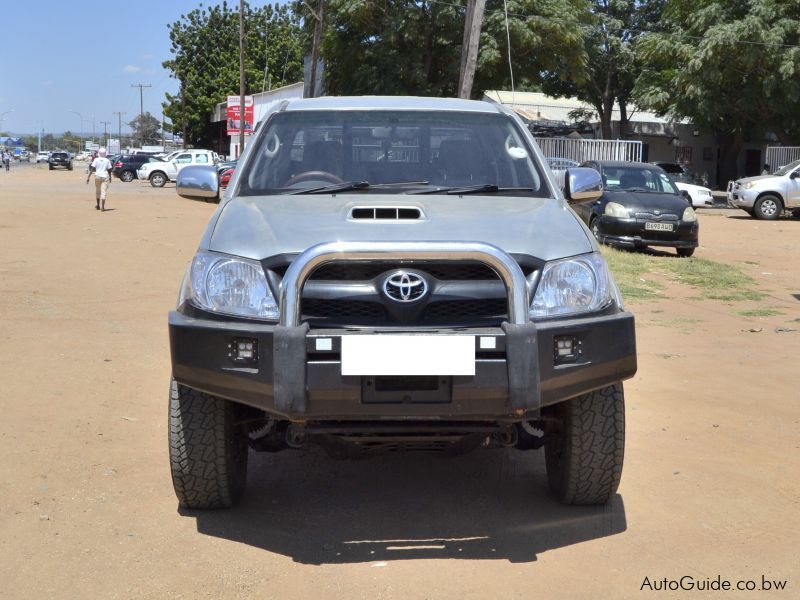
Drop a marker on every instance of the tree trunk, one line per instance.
(623, 119)
(730, 145)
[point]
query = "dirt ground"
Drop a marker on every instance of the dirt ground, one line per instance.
(711, 484)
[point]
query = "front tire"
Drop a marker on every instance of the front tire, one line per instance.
(768, 207)
(585, 444)
(207, 449)
(158, 180)
(684, 252)
(594, 225)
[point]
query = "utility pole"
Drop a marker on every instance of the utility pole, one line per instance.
(318, 16)
(141, 106)
(469, 48)
(119, 127)
(241, 77)
(105, 132)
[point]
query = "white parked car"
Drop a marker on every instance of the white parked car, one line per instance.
(159, 173)
(42, 156)
(698, 195)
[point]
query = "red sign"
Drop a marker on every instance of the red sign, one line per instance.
(232, 114)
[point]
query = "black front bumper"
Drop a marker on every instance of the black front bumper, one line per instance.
(289, 377)
(631, 233)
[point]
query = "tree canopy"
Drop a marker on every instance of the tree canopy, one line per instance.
(205, 45)
(414, 46)
(732, 67)
(145, 128)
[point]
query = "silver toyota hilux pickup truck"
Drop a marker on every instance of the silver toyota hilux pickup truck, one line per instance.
(396, 274)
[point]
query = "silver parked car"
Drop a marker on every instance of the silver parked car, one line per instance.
(396, 273)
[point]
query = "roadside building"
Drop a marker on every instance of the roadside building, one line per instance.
(662, 140)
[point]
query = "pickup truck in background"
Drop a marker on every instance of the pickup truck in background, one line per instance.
(159, 173)
(767, 196)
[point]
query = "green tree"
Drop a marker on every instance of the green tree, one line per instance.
(731, 67)
(146, 129)
(205, 45)
(609, 68)
(414, 46)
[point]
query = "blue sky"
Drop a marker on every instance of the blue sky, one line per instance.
(84, 57)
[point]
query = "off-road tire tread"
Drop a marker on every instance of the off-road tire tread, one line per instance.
(203, 440)
(593, 438)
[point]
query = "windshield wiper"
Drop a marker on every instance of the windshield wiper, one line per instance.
(335, 187)
(355, 185)
(483, 188)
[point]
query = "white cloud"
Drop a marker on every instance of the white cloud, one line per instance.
(132, 69)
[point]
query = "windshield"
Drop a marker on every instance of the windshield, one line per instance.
(788, 168)
(637, 179)
(391, 152)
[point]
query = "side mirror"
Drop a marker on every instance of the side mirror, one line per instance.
(198, 182)
(794, 175)
(581, 184)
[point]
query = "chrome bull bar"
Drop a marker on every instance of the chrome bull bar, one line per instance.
(316, 256)
(289, 355)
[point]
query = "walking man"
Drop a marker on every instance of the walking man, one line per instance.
(7, 159)
(101, 167)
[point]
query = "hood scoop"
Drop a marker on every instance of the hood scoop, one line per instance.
(385, 213)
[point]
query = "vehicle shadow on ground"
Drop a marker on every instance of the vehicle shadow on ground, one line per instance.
(492, 504)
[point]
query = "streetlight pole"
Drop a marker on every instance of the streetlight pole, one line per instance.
(105, 132)
(41, 130)
(119, 127)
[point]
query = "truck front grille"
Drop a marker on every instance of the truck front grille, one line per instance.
(338, 298)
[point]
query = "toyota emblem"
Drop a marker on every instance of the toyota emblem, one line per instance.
(405, 286)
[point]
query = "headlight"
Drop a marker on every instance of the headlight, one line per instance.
(749, 185)
(689, 215)
(705, 192)
(574, 285)
(614, 209)
(229, 285)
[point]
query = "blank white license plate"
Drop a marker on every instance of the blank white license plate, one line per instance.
(395, 354)
(659, 226)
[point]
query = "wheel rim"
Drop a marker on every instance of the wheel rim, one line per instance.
(158, 180)
(596, 229)
(127, 176)
(769, 207)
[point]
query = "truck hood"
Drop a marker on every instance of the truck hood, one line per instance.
(263, 226)
(755, 178)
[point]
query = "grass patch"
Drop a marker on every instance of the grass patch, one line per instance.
(632, 273)
(635, 273)
(760, 312)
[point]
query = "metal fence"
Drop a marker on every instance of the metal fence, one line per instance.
(581, 150)
(778, 156)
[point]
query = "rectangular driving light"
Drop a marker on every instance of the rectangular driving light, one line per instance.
(566, 348)
(243, 351)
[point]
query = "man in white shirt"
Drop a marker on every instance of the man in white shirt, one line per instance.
(101, 167)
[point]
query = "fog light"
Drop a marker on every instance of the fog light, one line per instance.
(243, 350)
(566, 349)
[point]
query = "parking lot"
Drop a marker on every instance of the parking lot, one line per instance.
(710, 488)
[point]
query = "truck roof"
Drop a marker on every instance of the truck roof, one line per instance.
(392, 103)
